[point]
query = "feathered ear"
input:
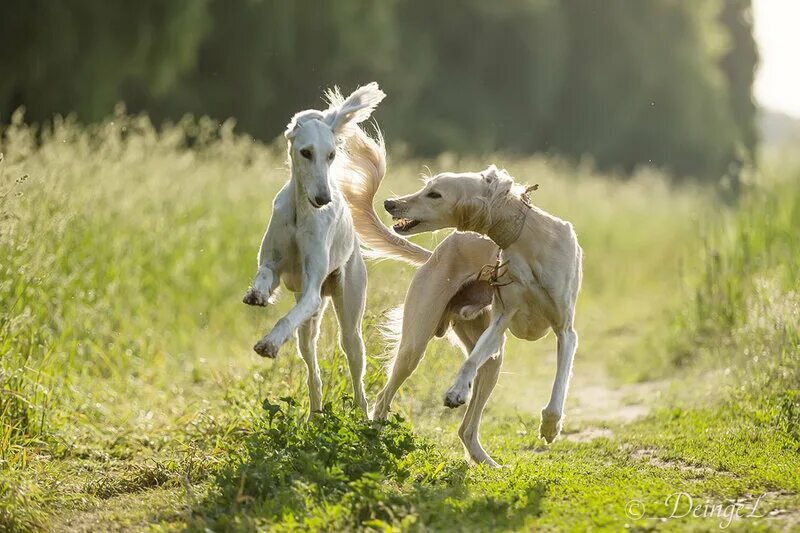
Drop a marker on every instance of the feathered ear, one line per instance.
(498, 180)
(491, 173)
(298, 119)
(343, 115)
(291, 129)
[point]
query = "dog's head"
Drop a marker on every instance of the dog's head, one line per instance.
(315, 135)
(448, 200)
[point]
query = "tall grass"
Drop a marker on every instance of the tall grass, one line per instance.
(746, 313)
(125, 249)
(110, 263)
(124, 252)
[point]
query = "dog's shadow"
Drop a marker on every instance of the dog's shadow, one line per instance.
(462, 506)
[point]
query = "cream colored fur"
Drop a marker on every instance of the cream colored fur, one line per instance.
(543, 274)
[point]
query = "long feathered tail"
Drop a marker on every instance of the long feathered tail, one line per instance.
(366, 167)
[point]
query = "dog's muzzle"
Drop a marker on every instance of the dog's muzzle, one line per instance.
(320, 200)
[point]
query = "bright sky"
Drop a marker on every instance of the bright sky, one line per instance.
(777, 30)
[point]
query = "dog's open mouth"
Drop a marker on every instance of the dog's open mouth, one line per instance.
(404, 224)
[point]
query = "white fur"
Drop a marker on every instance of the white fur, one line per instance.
(544, 275)
(310, 243)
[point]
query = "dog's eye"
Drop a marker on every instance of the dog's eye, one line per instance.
(331, 156)
(305, 152)
(433, 194)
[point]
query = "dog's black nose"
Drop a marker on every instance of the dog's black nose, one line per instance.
(389, 205)
(322, 199)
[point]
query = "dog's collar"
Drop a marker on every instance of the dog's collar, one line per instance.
(506, 230)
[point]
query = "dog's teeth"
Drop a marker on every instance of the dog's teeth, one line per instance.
(402, 224)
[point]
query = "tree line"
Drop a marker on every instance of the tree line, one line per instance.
(627, 82)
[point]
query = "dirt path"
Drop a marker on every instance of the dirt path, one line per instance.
(594, 400)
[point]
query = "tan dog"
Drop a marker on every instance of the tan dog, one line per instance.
(533, 290)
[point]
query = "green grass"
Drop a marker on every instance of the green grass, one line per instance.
(130, 397)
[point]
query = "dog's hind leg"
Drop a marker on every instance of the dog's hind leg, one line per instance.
(349, 298)
(307, 335)
(422, 314)
(409, 355)
(554, 411)
(469, 431)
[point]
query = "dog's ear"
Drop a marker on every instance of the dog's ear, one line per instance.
(490, 174)
(298, 119)
(291, 129)
(499, 181)
(344, 114)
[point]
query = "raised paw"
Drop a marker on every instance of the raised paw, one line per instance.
(457, 395)
(254, 297)
(550, 426)
(266, 347)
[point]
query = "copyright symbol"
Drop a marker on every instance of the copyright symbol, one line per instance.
(635, 509)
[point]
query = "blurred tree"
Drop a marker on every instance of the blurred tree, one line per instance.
(738, 64)
(263, 60)
(73, 56)
(487, 73)
(644, 86)
(629, 82)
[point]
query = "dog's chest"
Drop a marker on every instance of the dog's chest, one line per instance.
(328, 234)
(291, 263)
(531, 302)
(529, 324)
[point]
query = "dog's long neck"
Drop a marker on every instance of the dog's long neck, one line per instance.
(502, 221)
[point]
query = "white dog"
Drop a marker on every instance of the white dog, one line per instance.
(310, 243)
(526, 279)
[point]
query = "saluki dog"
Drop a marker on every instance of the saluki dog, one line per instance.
(310, 243)
(524, 277)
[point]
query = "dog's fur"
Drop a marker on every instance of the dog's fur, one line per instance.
(310, 243)
(542, 272)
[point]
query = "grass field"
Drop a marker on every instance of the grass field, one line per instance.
(130, 397)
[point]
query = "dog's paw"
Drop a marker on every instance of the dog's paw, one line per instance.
(379, 413)
(314, 414)
(266, 347)
(550, 426)
(480, 457)
(457, 395)
(254, 297)
(490, 463)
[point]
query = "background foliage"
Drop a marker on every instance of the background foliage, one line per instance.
(130, 396)
(661, 82)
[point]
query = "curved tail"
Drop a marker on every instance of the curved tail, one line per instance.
(366, 167)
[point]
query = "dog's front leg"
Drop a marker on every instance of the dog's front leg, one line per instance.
(489, 344)
(554, 411)
(265, 282)
(314, 272)
(269, 256)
